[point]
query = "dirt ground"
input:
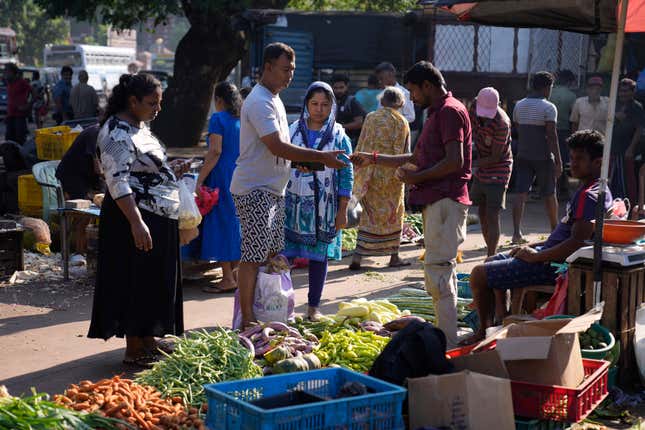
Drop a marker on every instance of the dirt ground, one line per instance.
(43, 327)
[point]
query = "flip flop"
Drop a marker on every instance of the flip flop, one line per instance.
(400, 264)
(215, 289)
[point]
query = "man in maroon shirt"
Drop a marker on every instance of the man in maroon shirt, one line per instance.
(438, 172)
(18, 105)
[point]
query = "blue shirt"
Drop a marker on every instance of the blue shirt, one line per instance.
(62, 90)
(227, 126)
(582, 206)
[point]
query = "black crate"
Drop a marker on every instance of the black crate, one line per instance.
(11, 256)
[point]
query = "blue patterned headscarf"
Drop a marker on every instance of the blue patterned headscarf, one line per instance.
(327, 130)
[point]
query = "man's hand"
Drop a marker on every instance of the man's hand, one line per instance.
(406, 176)
(525, 253)
(362, 159)
(330, 159)
(629, 153)
(341, 220)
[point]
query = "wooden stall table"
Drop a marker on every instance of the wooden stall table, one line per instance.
(623, 290)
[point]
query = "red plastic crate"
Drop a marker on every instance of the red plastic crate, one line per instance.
(465, 350)
(555, 403)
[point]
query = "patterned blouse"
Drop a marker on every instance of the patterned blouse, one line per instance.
(133, 161)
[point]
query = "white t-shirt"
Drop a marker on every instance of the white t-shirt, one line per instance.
(408, 107)
(257, 168)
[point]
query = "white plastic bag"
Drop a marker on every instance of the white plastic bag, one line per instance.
(354, 212)
(189, 216)
(274, 298)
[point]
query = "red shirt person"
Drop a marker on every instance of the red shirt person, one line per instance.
(18, 106)
(438, 172)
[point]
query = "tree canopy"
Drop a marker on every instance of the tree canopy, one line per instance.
(33, 27)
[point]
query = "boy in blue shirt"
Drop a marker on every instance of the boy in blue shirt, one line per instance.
(531, 264)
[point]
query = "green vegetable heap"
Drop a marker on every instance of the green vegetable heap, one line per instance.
(200, 358)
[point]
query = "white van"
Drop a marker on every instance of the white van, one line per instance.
(103, 64)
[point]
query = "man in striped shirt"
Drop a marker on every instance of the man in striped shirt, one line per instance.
(491, 129)
(538, 155)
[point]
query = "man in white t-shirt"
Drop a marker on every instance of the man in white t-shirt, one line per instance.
(386, 74)
(263, 167)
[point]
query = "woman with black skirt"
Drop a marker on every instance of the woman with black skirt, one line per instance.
(138, 290)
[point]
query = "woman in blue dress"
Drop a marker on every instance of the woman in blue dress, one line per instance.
(316, 201)
(220, 238)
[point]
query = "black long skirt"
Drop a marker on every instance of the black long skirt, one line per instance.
(137, 293)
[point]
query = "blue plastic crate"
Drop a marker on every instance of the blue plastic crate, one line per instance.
(381, 408)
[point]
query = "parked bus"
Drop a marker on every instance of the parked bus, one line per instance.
(103, 64)
(8, 47)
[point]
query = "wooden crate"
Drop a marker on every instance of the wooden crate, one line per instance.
(11, 256)
(623, 290)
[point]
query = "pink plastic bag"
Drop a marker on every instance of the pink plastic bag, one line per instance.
(557, 303)
(274, 298)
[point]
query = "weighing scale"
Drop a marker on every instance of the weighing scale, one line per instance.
(621, 254)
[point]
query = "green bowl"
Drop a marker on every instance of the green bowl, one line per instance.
(596, 354)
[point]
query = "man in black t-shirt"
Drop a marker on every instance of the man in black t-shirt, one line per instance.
(77, 171)
(349, 112)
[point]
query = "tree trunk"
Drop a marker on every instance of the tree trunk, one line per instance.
(205, 55)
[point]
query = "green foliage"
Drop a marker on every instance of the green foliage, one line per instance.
(33, 28)
(357, 5)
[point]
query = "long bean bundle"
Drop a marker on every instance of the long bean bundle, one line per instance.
(200, 357)
(37, 412)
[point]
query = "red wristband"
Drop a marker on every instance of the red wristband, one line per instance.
(374, 156)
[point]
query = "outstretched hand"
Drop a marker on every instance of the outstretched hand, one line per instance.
(361, 159)
(330, 159)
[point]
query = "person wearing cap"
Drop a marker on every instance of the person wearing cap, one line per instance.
(625, 141)
(491, 130)
(538, 155)
(590, 112)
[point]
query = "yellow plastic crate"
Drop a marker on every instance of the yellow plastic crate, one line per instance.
(30, 195)
(53, 142)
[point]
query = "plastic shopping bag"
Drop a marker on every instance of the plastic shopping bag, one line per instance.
(558, 301)
(274, 295)
(189, 216)
(354, 212)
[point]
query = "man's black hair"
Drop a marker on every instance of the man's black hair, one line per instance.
(424, 71)
(385, 67)
(542, 80)
(66, 69)
(340, 77)
(590, 141)
(13, 67)
(565, 76)
(273, 51)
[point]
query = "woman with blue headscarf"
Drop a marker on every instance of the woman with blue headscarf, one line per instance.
(316, 200)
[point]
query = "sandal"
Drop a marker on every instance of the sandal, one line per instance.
(400, 263)
(355, 266)
(216, 289)
(144, 361)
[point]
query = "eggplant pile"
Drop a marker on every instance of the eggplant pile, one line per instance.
(264, 338)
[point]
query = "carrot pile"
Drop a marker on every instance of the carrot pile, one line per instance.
(139, 405)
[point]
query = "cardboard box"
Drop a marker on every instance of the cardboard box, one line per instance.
(464, 400)
(544, 352)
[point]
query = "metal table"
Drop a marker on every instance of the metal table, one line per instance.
(93, 211)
